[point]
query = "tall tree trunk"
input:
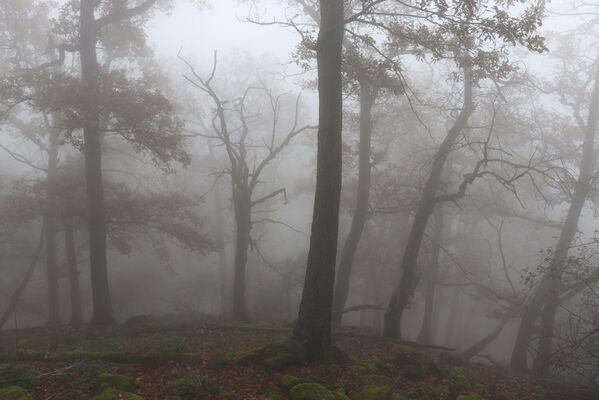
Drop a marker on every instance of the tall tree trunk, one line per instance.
(243, 213)
(19, 290)
(102, 306)
(50, 224)
(401, 296)
(75, 292)
(222, 252)
(313, 325)
(546, 295)
(425, 332)
(367, 99)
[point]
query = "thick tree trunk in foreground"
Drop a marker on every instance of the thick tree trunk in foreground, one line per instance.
(546, 296)
(424, 336)
(50, 224)
(102, 305)
(313, 325)
(75, 292)
(401, 296)
(367, 98)
(243, 213)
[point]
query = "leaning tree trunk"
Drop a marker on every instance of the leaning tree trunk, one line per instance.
(401, 296)
(75, 292)
(367, 98)
(50, 224)
(243, 213)
(546, 297)
(424, 336)
(102, 305)
(313, 325)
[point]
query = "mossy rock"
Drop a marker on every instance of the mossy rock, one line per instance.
(469, 396)
(14, 393)
(428, 391)
(140, 321)
(288, 382)
(375, 379)
(310, 391)
(278, 354)
(16, 375)
(121, 382)
(340, 395)
(189, 388)
(111, 393)
(373, 392)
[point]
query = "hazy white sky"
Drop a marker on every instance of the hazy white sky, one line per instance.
(221, 28)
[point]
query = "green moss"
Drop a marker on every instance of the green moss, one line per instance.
(469, 396)
(188, 388)
(278, 354)
(120, 382)
(340, 395)
(110, 393)
(231, 395)
(375, 379)
(14, 393)
(288, 382)
(462, 384)
(171, 344)
(427, 391)
(16, 375)
(373, 392)
(310, 391)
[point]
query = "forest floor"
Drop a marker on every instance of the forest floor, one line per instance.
(228, 361)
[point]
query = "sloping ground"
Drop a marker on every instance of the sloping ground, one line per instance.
(220, 361)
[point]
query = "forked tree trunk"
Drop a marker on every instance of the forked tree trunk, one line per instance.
(367, 99)
(50, 224)
(401, 296)
(102, 305)
(546, 295)
(313, 325)
(75, 292)
(424, 336)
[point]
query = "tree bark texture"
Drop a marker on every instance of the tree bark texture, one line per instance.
(313, 325)
(74, 291)
(102, 305)
(425, 334)
(243, 214)
(401, 296)
(367, 99)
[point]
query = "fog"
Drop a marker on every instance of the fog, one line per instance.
(174, 174)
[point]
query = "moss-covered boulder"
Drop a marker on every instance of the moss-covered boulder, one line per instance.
(120, 382)
(111, 393)
(16, 375)
(428, 391)
(14, 393)
(278, 354)
(189, 388)
(310, 391)
(288, 382)
(373, 392)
